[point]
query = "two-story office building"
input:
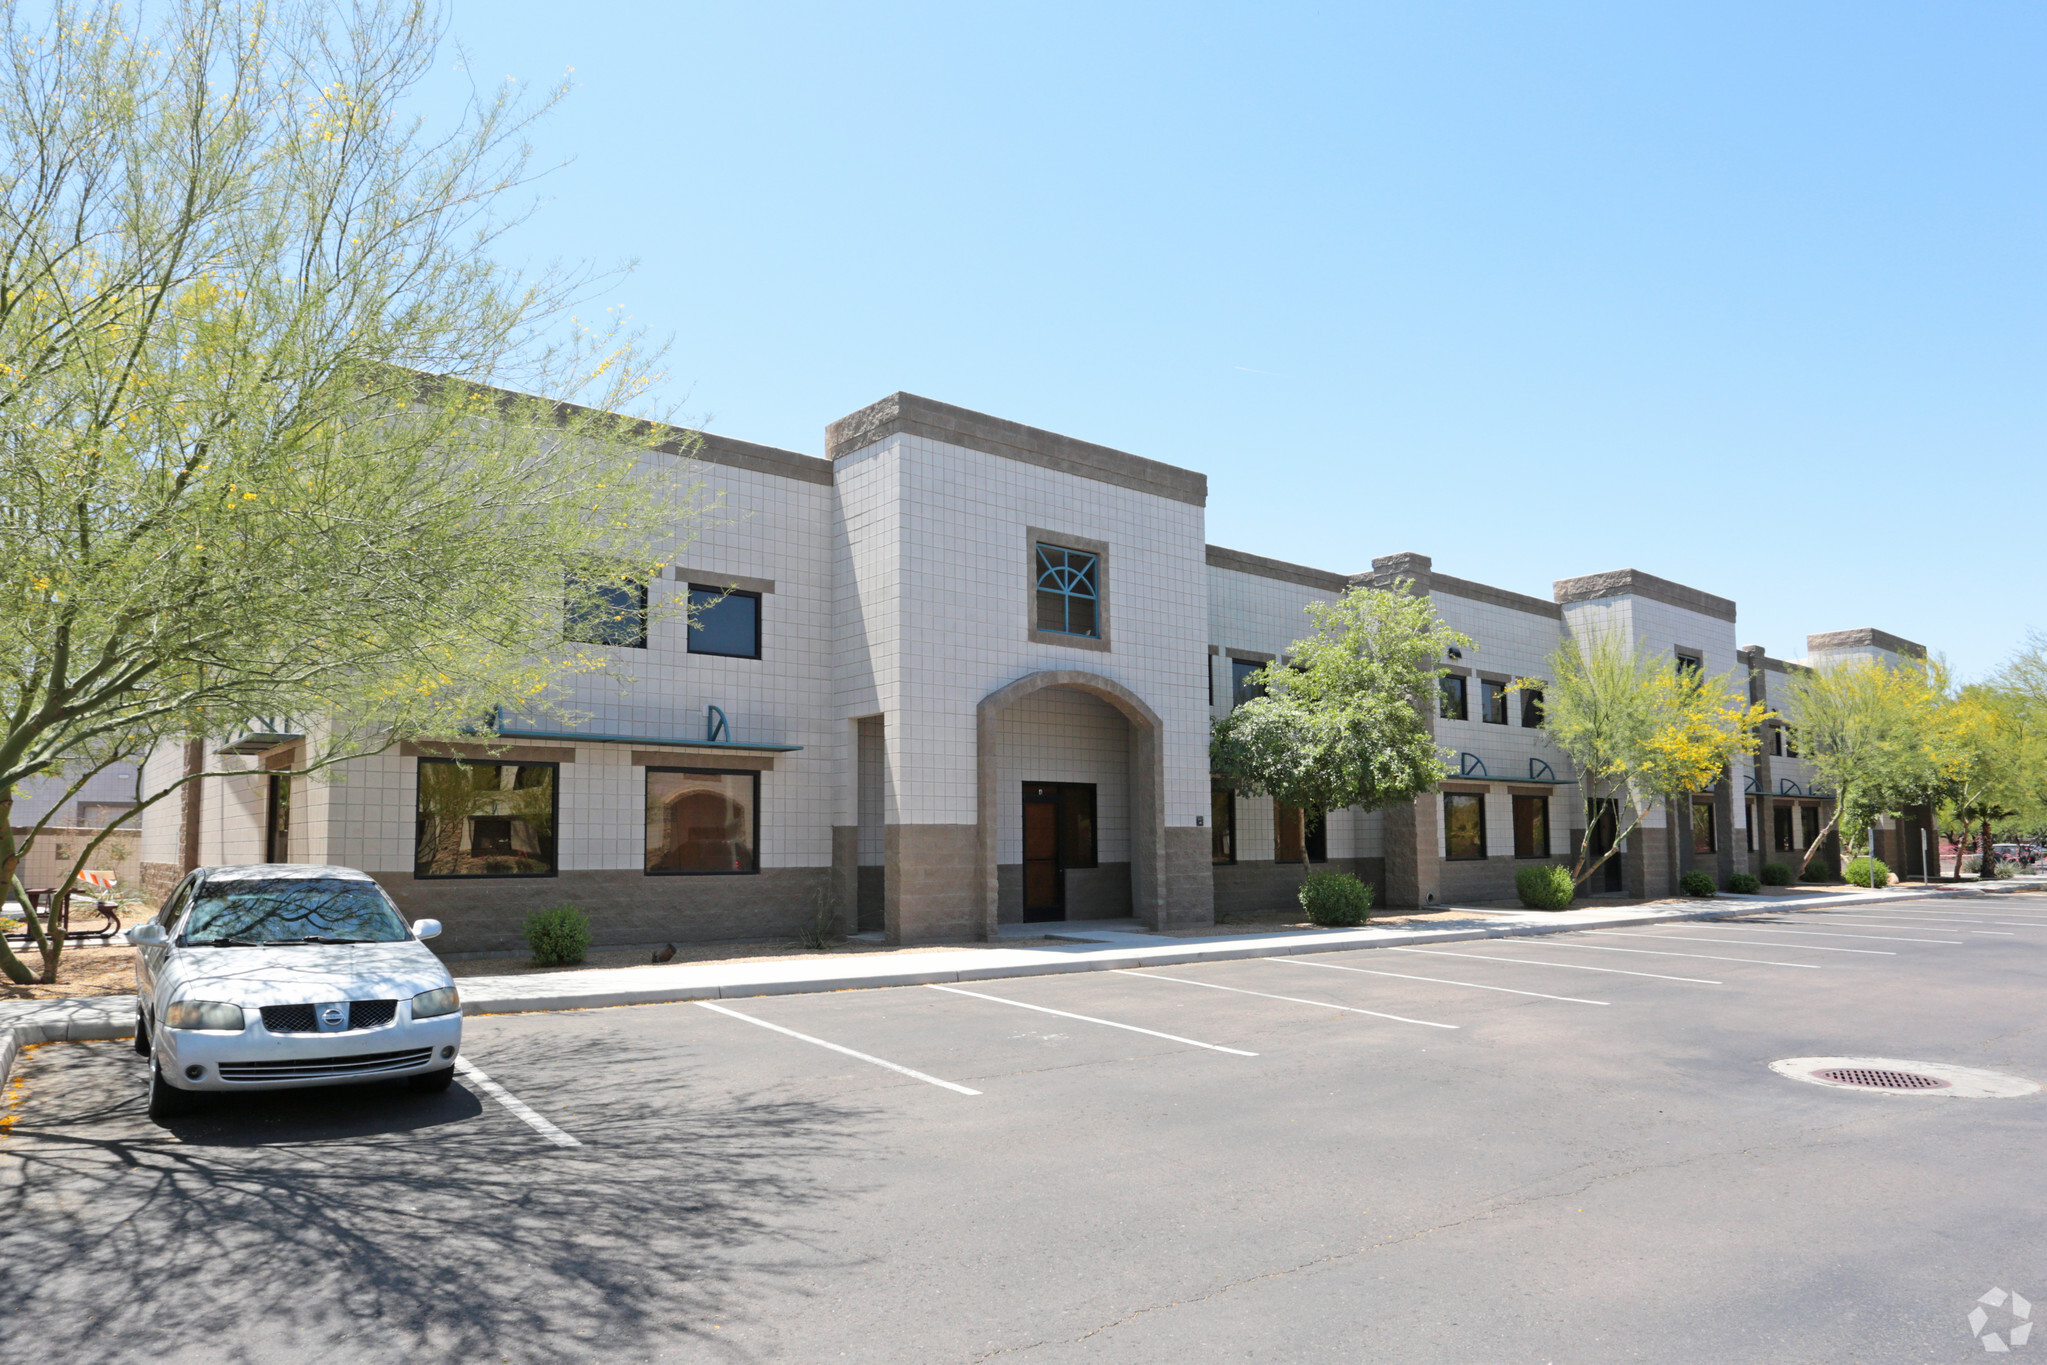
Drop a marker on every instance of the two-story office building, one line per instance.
(958, 673)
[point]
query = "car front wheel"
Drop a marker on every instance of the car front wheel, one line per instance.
(166, 1101)
(141, 1034)
(433, 1082)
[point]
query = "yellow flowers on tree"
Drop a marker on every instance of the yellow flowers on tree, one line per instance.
(262, 445)
(1640, 731)
(1875, 733)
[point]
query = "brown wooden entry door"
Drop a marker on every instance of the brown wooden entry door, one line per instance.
(1044, 886)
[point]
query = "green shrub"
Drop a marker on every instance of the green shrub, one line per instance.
(1544, 886)
(1742, 884)
(1776, 874)
(559, 937)
(1999, 871)
(1857, 873)
(1697, 883)
(1336, 900)
(1816, 871)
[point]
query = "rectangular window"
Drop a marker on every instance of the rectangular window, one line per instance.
(1451, 705)
(1317, 838)
(1531, 827)
(1776, 742)
(1069, 591)
(606, 612)
(1781, 827)
(1463, 825)
(1690, 666)
(1531, 708)
(1705, 836)
(483, 819)
(1211, 682)
(1809, 825)
(1492, 702)
(1242, 689)
(702, 822)
(1748, 830)
(724, 623)
(1222, 819)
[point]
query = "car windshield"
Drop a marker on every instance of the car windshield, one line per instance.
(292, 910)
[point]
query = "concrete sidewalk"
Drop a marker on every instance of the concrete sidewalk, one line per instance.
(1092, 949)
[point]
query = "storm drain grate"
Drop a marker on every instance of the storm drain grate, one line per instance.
(1881, 1080)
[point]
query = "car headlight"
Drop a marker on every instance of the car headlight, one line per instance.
(427, 1004)
(204, 1014)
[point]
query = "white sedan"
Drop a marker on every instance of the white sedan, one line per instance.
(280, 975)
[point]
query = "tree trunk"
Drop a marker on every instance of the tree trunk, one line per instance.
(10, 858)
(1983, 868)
(1819, 839)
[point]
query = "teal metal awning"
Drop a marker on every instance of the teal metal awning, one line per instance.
(716, 736)
(1472, 768)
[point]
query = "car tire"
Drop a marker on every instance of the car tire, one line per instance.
(141, 1034)
(432, 1082)
(166, 1101)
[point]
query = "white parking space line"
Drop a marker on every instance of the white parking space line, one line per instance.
(846, 1051)
(1878, 938)
(1266, 995)
(1560, 941)
(1905, 924)
(1744, 942)
(1568, 966)
(1440, 981)
(1918, 921)
(518, 1107)
(1090, 1019)
(1929, 917)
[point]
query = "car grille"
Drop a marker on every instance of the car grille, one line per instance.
(371, 1013)
(362, 1064)
(290, 1019)
(304, 1018)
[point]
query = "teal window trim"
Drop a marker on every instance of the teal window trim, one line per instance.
(1069, 591)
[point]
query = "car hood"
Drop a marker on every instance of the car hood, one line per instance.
(303, 974)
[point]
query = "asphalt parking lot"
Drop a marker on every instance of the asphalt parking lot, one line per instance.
(1567, 1148)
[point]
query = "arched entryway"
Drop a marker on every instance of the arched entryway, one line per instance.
(1142, 789)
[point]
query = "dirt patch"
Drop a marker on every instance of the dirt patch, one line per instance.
(707, 954)
(86, 969)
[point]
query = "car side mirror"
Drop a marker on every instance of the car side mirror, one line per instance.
(150, 935)
(425, 928)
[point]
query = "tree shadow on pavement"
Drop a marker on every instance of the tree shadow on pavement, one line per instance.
(372, 1224)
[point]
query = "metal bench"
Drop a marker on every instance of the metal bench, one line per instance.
(39, 897)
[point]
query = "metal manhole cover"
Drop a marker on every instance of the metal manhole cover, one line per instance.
(1903, 1077)
(1882, 1080)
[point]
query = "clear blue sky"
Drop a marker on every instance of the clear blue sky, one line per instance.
(1748, 296)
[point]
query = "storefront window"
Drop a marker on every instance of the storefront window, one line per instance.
(483, 819)
(701, 822)
(1463, 825)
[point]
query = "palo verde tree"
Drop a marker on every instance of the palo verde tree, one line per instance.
(262, 445)
(1640, 731)
(1875, 733)
(1341, 722)
(1998, 767)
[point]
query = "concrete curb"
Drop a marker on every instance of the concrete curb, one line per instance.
(106, 1018)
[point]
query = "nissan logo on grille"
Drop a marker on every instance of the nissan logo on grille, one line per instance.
(333, 1016)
